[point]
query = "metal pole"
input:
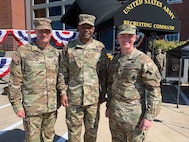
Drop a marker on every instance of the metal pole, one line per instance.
(28, 18)
(178, 93)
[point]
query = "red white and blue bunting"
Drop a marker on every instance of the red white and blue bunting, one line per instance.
(4, 66)
(60, 38)
(21, 36)
(3, 35)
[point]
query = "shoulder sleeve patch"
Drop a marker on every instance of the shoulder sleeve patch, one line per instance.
(15, 58)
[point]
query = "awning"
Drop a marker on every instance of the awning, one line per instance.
(104, 10)
(147, 15)
(180, 52)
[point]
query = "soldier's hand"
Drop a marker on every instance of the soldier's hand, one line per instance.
(145, 124)
(21, 113)
(64, 100)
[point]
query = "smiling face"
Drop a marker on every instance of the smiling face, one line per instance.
(85, 32)
(126, 42)
(43, 38)
(43, 35)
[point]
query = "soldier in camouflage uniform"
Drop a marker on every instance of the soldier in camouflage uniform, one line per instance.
(160, 60)
(131, 74)
(85, 63)
(33, 84)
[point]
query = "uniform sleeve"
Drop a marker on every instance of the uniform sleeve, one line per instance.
(109, 84)
(103, 73)
(15, 82)
(151, 78)
(61, 85)
(63, 72)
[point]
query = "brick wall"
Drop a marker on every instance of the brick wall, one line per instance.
(5, 14)
(18, 14)
(182, 10)
(12, 16)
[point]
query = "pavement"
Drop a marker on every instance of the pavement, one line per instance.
(171, 125)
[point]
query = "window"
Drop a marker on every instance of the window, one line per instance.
(53, 0)
(67, 7)
(106, 37)
(54, 11)
(57, 25)
(172, 37)
(39, 1)
(66, 25)
(174, 1)
(40, 13)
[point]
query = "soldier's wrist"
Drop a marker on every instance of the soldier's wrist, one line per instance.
(62, 94)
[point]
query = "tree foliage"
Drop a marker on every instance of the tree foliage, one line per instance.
(165, 45)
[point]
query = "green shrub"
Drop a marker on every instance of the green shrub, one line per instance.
(165, 45)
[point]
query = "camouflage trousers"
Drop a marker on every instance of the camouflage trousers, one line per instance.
(76, 115)
(40, 128)
(123, 132)
(124, 119)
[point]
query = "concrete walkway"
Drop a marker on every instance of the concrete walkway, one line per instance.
(171, 125)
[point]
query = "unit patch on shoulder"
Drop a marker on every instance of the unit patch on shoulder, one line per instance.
(15, 59)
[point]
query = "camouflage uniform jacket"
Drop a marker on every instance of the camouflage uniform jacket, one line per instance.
(85, 68)
(35, 79)
(160, 61)
(129, 77)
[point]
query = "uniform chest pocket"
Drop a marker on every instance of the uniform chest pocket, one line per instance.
(92, 57)
(113, 68)
(76, 60)
(31, 61)
(52, 62)
(129, 72)
(87, 57)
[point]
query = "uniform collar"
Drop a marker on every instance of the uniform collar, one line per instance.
(129, 56)
(83, 45)
(35, 47)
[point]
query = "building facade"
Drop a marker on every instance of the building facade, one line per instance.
(53, 9)
(181, 8)
(14, 15)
